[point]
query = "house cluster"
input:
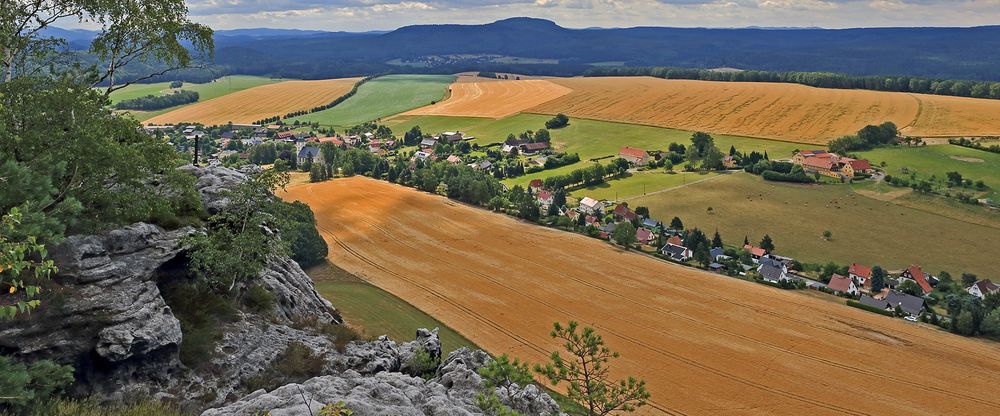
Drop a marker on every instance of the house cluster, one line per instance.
(523, 147)
(831, 164)
(428, 145)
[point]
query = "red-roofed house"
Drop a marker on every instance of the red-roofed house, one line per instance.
(620, 211)
(545, 198)
(917, 275)
(592, 220)
(823, 166)
(331, 139)
(282, 135)
(454, 159)
(535, 184)
(755, 252)
(634, 156)
(842, 284)
(852, 167)
(802, 155)
(675, 240)
(534, 147)
(644, 236)
(861, 274)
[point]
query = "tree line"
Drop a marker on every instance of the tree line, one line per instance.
(958, 88)
(158, 102)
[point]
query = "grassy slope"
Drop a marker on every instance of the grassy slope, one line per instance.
(206, 91)
(864, 229)
(639, 184)
(590, 138)
(381, 97)
(376, 311)
(937, 160)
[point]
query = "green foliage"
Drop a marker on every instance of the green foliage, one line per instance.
(23, 385)
(991, 324)
(503, 373)
(878, 278)
(73, 166)
(296, 364)
(336, 409)
(158, 102)
(586, 373)
(258, 299)
(240, 240)
(766, 243)
(911, 288)
(676, 223)
(491, 405)
(298, 230)
(62, 407)
(422, 363)
(559, 121)
(624, 235)
(965, 323)
(20, 268)
(201, 313)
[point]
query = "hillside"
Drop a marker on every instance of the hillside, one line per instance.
(962, 53)
(706, 344)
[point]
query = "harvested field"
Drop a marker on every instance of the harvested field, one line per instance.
(706, 344)
(261, 102)
(788, 112)
(495, 99)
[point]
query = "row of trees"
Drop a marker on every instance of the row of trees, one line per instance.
(868, 137)
(960, 88)
(972, 144)
(590, 175)
(158, 102)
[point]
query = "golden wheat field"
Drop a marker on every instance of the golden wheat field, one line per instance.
(258, 103)
(769, 110)
(493, 98)
(706, 344)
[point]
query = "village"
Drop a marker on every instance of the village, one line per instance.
(907, 292)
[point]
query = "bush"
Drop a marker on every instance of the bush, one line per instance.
(201, 313)
(23, 385)
(422, 364)
(93, 408)
(559, 121)
(307, 246)
(296, 364)
(158, 102)
(341, 334)
(258, 299)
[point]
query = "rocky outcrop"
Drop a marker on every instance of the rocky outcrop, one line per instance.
(213, 181)
(294, 293)
(451, 392)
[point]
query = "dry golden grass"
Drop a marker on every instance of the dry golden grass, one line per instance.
(260, 102)
(493, 98)
(776, 111)
(706, 344)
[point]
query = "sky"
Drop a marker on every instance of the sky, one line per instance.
(364, 15)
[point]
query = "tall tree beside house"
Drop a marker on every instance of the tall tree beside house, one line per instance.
(746, 240)
(712, 158)
(642, 211)
(701, 142)
(878, 278)
(624, 235)
(702, 254)
(911, 288)
(968, 279)
(413, 136)
(766, 243)
(676, 223)
(586, 373)
(716, 239)
(732, 150)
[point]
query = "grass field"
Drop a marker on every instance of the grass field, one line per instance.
(260, 102)
(777, 111)
(377, 312)
(705, 344)
(864, 229)
(381, 97)
(589, 138)
(641, 183)
(206, 91)
(938, 160)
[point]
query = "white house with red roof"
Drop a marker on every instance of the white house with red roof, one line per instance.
(843, 284)
(535, 185)
(755, 252)
(634, 156)
(861, 274)
(915, 274)
(545, 198)
(644, 236)
(982, 288)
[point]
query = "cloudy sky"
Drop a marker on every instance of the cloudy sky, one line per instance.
(361, 15)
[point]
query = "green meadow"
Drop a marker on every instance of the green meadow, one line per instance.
(865, 229)
(377, 312)
(382, 97)
(591, 139)
(938, 160)
(641, 183)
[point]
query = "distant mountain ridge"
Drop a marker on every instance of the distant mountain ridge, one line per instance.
(952, 53)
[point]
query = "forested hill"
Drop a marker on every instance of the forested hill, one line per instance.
(948, 53)
(956, 53)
